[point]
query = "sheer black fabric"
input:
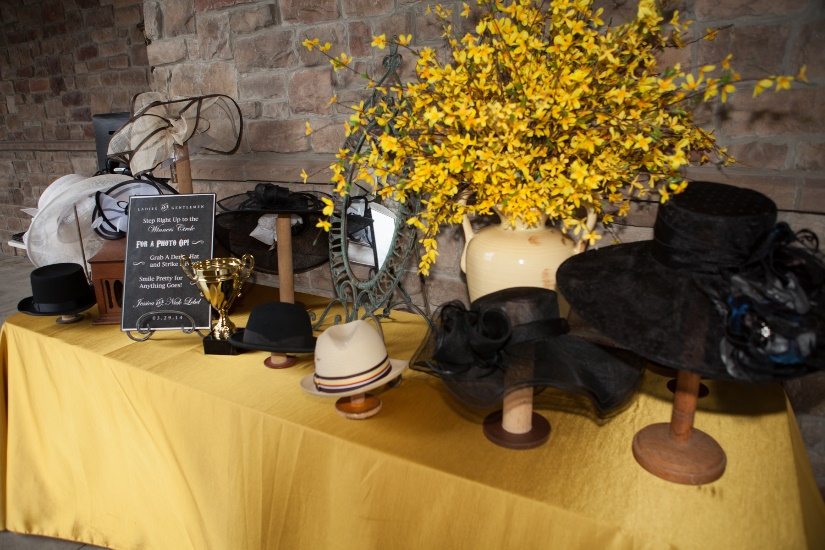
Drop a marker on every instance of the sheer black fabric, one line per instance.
(514, 338)
(247, 226)
(678, 300)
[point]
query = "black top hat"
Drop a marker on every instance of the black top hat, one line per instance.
(721, 290)
(515, 338)
(278, 327)
(242, 214)
(58, 289)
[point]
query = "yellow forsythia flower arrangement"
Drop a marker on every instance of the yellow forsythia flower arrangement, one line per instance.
(543, 109)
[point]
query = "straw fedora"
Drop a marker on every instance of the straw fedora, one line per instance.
(721, 290)
(59, 289)
(277, 327)
(350, 359)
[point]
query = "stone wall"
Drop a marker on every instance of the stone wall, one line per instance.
(251, 51)
(60, 63)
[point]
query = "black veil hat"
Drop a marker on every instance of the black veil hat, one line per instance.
(246, 225)
(515, 338)
(721, 290)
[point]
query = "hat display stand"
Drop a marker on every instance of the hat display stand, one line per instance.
(362, 405)
(182, 170)
(69, 319)
(276, 226)
(286, 278)
(516, 425)
(358, 407)
(351, 360)
(677, 451)
(703, 389)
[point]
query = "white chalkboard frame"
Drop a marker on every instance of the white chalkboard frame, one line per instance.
(156, 294)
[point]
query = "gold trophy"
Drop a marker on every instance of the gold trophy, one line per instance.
(221, 281)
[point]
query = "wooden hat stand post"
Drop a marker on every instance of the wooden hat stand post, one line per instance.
(677, 451)
(286, 280)
(516, 426)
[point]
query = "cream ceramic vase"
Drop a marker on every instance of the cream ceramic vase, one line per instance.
(505, 256)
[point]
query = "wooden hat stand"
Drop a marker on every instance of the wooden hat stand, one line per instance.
(362, 405)
(677, 451)
(286, 280)
(516, 426)
(358, 407)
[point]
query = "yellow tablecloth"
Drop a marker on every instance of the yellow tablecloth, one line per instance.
(155, 445)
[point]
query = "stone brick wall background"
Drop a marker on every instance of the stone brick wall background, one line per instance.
(60, 63)
(251, 51)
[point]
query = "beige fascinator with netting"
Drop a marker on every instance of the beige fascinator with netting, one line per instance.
(210, 123)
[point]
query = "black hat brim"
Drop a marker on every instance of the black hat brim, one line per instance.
(657, 312)
(30, 307)
(564, 362)
(310, 244)
(237, 341)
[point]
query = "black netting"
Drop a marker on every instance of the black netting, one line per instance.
(514, 338)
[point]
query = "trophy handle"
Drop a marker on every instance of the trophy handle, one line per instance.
(247, 266)
(186, 266)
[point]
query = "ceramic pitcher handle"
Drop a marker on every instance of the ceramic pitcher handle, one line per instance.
(469, 233)
(186, 266)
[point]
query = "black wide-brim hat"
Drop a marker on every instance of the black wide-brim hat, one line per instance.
(240, 216)
(58, 289)
(277, 327)
(515, 338)
(676, 298)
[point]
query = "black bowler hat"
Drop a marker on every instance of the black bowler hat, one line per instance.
(278, 327)
(58, 289)
(721, 290)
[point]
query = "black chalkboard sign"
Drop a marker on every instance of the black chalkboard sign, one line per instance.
(156, 293)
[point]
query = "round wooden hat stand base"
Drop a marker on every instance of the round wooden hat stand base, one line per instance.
(697, 461)
(678, 452)
(358, 407)
(280, 361)
(69, 319)
(516, 426)
(703, 389)
(539, 432)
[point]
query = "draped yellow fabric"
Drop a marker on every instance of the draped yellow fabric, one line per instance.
(156, 445)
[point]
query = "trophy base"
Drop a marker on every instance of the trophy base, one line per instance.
(213, 346)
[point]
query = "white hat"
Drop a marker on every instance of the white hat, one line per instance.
(53, 190)
(57, 188)
(350, 359)
(53, 234)
(212, 122)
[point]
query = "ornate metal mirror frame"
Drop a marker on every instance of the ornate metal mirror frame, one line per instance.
(372, 296)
